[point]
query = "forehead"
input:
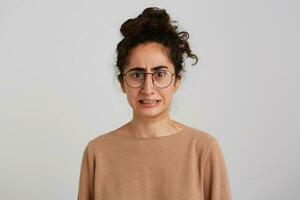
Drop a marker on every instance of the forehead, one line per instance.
(149, 55)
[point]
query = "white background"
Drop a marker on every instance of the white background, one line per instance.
(58, 90)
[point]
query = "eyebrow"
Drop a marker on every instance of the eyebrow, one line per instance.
(152, 69)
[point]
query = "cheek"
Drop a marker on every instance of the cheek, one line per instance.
(168, 96)
(131, 97)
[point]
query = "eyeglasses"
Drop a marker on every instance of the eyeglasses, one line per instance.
(160, 78)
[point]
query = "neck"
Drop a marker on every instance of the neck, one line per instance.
(145, 127)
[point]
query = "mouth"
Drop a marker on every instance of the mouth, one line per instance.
(149, 103)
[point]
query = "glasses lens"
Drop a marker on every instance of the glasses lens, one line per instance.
(162, 78)
(135, 78)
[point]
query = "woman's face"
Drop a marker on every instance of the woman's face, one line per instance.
(149, 100)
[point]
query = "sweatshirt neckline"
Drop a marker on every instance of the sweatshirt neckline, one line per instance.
(180, 132)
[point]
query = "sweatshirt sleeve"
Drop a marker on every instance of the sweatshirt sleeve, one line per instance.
(86, 180)
(216, 182)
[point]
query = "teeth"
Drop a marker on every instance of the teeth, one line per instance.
(149, 101)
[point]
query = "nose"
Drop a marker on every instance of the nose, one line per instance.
(147, 87)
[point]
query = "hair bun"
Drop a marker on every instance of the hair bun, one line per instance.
(152, 21)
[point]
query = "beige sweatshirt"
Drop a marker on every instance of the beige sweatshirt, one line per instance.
(187, 165)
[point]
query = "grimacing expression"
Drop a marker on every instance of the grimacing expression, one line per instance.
(149, 100)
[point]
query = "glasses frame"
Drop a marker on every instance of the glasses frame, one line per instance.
(172, 74)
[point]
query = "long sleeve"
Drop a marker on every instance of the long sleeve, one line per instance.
(216, 182)
(86, 180)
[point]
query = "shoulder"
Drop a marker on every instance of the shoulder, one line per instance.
(201, 140)
(200, 135)
(194, 133)
(100, 142)
(207, 146)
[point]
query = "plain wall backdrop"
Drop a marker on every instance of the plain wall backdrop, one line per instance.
(58, 90)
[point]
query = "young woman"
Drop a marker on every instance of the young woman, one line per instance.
(153, 157)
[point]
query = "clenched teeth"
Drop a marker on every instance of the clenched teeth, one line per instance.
(146, 101)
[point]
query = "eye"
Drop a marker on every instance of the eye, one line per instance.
(136, 75)
(160, 74)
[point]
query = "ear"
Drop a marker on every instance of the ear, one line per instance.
(123, 87)
(177, 83)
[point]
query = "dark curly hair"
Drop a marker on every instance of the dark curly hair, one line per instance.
(153, 25)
